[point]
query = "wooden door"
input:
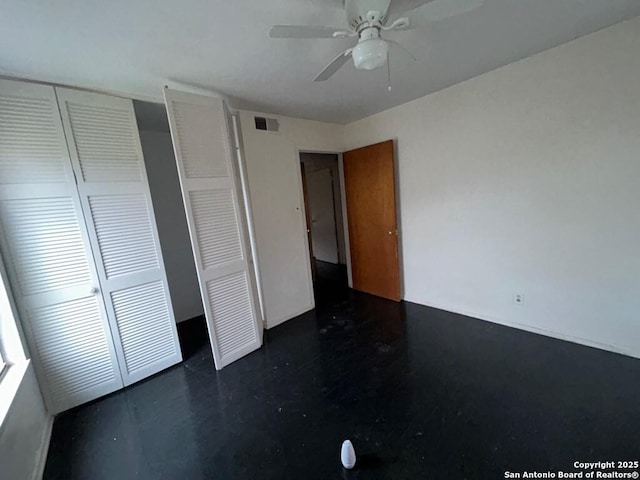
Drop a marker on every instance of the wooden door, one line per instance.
(211, 193)
(371, 210)
(104, 144)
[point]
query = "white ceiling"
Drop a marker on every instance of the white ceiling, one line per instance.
(137, 46)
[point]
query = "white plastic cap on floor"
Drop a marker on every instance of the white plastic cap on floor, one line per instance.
(348, 455)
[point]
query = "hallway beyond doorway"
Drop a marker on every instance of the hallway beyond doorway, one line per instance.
(331, 285)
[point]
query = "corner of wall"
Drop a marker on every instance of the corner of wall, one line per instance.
(26, 431)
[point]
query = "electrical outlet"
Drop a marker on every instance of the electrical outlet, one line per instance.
(518, 298)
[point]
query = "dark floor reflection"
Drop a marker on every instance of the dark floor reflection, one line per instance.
(422, 393)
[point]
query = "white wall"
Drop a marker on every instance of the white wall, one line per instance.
(527, 179)
(25, 425)
(273, 170)
(24, 433)
(172, 224)
(318, 161)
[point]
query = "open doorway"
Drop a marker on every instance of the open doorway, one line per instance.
(325, 226)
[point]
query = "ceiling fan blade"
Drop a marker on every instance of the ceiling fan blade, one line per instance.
(306, 31)
(399, 46)
(334, 66)
(435, 11)
(400, 8)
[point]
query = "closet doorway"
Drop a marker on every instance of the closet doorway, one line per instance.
(162, 172)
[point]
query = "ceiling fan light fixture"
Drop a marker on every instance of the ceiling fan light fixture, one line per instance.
(367, 20)
(370, 54)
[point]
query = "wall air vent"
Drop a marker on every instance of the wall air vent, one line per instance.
(267, 124)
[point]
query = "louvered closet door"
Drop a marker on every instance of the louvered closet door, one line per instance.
(216, 220)
(46, 249)
(107, 158)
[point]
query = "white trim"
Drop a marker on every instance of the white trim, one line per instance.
(43, 451)
(530, 328)
(9, 386)
(12, 341)
(305, 235)
(113, 93)
(345, 220)
(246, 194)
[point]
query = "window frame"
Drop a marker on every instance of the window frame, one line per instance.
(15, 360)
(12, 345)
(3, 363)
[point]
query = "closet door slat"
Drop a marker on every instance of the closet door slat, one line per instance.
(107, 158)
(216, 220)
(46, 248)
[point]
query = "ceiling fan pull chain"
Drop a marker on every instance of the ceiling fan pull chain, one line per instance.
(388, 73)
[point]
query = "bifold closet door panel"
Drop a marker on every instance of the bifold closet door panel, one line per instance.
(104, 143)
(216, 220)
(46, 250)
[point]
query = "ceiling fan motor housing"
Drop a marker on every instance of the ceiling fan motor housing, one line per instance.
(369, 33)
(358, 10)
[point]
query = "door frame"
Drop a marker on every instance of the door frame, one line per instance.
(345, 219)
(307, 218)
(343, 206)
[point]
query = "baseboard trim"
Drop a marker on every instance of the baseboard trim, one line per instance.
(280, 321)
(533, 329)
(38, 472)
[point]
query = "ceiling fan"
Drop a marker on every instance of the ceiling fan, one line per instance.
(366, 20)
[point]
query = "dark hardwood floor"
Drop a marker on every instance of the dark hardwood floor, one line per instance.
(422, 393)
